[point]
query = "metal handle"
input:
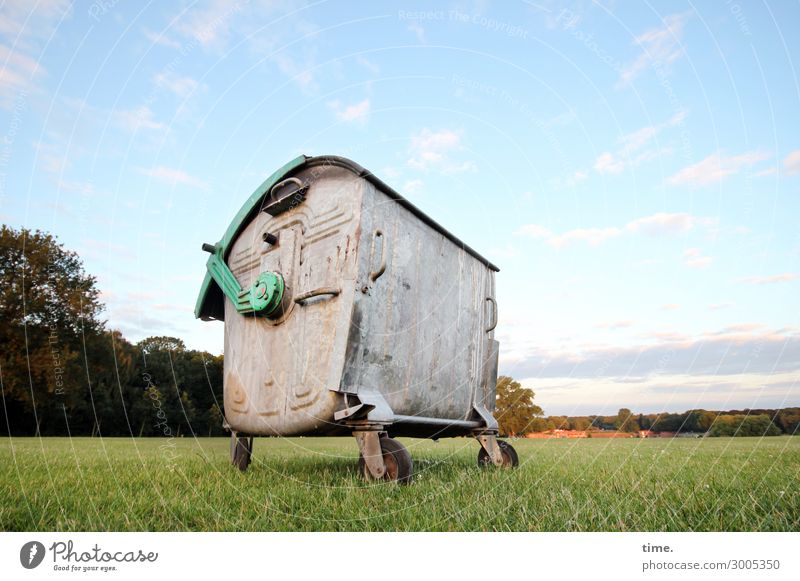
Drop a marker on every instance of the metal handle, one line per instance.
(279, 185)
(332, 291)
(382, 267)
(494, 313)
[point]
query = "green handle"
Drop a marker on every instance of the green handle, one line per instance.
(262, 298)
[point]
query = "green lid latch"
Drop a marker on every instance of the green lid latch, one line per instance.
(262, 298)
(266, 293)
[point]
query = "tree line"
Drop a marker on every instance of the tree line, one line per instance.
(747, 422)
(518, 415)
(62, 372)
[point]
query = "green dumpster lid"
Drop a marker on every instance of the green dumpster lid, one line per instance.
(210, 302)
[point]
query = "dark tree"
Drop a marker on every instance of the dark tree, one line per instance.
(789, 420)
(48, 304)
(625, 421)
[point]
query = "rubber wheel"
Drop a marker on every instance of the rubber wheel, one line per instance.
(510, 458)
(241, 451)
(399, 466)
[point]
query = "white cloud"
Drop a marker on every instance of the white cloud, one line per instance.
(660, 47)
(606, 163)
(173, 176)
(180, 86)
(775, 278)
(628, 154)
(660, 224)
(635, 140)
(534, 231)
(18, 63)
(19, 72)
(412, 187)
(291, 45)
(299, 73)
(612, 325)
(670, 307)
(139, 118)
(765, 172)
(371, 66)
(22, 19)
(357, 112)
(390, 172)
(51, 158)
(26, 26)
(83, 188)
(576, 178)
(161, 39)
(592, 236)
(715, 168)
(694, 258)
(433, 150)
(438, 141)
(792, 163)
(508, 251)
(570, 181)
(418, 31)
(210, 26)
(720, 306)
(663, 223)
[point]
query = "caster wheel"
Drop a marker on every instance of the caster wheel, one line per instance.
(241, 451)
(399, 466)
(510, 458)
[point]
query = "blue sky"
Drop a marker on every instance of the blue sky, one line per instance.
(634, 169)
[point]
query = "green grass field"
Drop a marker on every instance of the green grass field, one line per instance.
(310, 484)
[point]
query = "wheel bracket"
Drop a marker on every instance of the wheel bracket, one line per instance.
(369, 444)
(489, 443)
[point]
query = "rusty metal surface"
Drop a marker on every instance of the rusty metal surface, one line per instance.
(419, 331)
(369, 444)
(378, 305)
(278, 373)
(489, 443)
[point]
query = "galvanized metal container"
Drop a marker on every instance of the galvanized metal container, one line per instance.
(348, 310)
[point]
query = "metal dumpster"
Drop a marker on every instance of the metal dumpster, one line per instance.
(349, 311)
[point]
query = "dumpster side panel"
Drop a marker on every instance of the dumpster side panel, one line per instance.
(279, 374)
(419, 333)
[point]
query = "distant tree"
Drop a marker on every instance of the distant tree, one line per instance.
(515, 409)
(540, 425)
(579, 424)
(667, 423)
(156, 344)
(706, 420)
(625, 421)
(789, 420)
(744, 425)
(160, 366)
(691, 421)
